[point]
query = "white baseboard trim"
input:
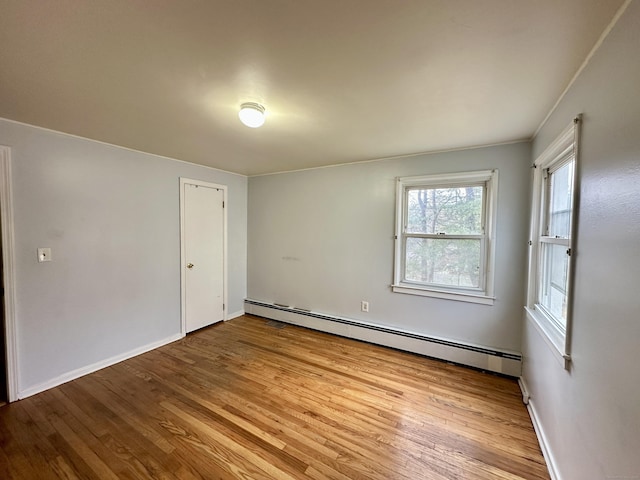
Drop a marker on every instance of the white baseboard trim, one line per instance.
(237, 314)
(80, 372)
(504, 362)
(552, 466)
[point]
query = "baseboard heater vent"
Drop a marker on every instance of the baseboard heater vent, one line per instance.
(506, 363)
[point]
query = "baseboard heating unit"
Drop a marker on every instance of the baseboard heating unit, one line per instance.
(504, 362)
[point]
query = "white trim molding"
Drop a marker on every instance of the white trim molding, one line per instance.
(550, 334)
(432, 292)
(477, 356)
(233, 315)
(94, 367)
(8, 271)
(552, 465)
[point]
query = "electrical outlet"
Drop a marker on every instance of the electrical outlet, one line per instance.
(364, 306)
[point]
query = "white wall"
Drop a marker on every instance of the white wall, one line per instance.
(323, 240)
(590, 415)
(111, 217)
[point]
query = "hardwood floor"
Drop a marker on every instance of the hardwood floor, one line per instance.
(246, 399)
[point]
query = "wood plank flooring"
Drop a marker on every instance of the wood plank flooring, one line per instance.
(245, 399)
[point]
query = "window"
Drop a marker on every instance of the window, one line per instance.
(552, 225)
(444, 231)
(555, 241)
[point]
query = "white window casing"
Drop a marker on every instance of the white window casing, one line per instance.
(483, 292)
(550, 250)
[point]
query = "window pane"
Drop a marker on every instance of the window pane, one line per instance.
(554, 281)
(443, 261)
(561, 191)
(454, 210)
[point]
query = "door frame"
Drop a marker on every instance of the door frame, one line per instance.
(8, 263)
(183, 260)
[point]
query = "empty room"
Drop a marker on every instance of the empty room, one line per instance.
(358, 239)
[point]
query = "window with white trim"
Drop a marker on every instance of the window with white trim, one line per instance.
(552, 237)
(445, 226)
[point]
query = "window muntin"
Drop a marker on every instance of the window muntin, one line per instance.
(443, 234)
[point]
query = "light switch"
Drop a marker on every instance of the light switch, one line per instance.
(44, 255)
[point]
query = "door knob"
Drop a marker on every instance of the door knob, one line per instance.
(189, 266)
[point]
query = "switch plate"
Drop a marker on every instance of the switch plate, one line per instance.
(364, 306)
(44, 254)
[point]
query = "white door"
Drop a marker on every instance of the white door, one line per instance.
(203, 255)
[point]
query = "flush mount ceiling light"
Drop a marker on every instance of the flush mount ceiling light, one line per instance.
(252, 114)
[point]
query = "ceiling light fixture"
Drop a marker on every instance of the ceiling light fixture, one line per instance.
(252, 114)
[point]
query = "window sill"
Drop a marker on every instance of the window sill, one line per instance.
(553, 337)
(448, 295)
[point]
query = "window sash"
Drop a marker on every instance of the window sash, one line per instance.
(547, 200)
(449, 286)
(550, 291)
(437, 186)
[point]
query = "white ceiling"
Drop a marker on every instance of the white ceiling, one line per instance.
(342, 80)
